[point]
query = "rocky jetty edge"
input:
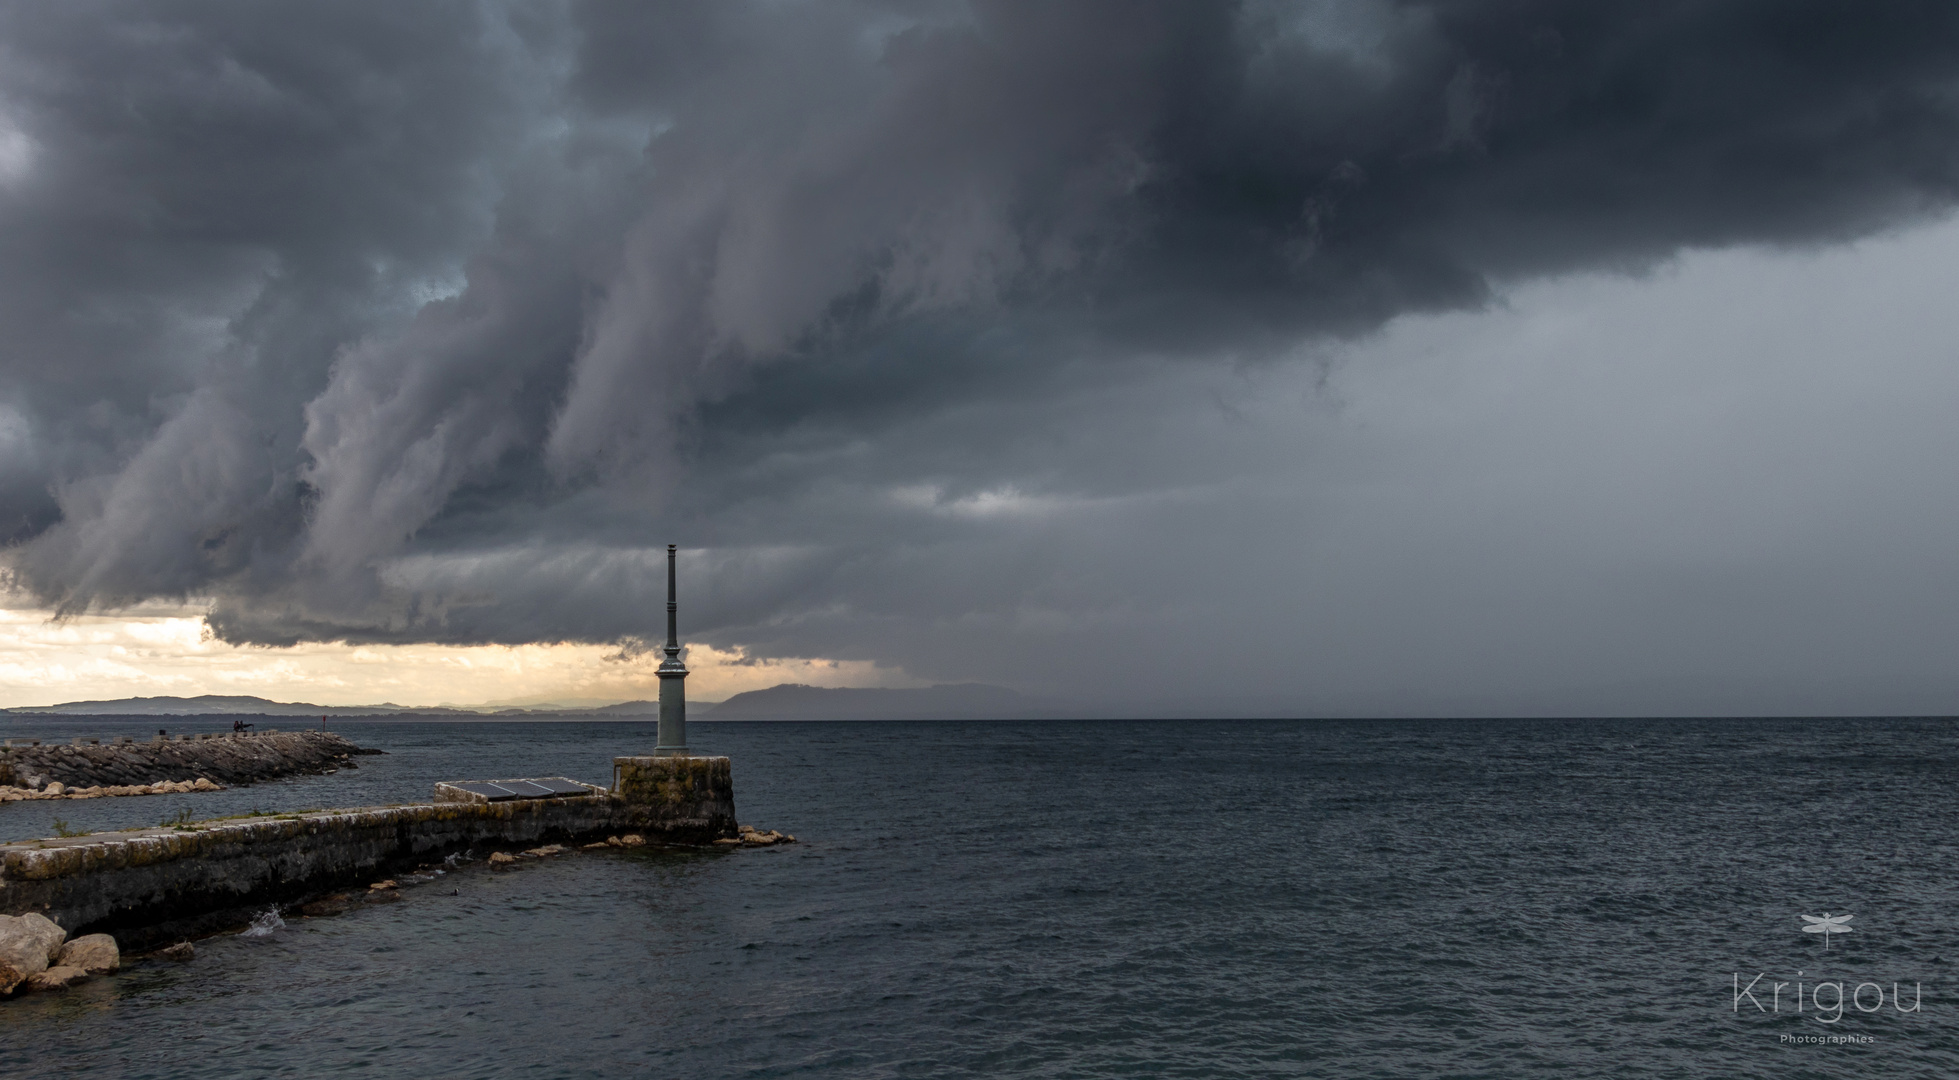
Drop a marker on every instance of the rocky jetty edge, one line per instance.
(163, 765)
(38, 955)
(153, 886)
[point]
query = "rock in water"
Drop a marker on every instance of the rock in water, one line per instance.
(27, 943)
(94, 953)
(183, 950)
(501, 859)
(325, 907)
(56, 978)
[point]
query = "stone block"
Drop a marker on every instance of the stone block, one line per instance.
(94, 953)
(27, 943)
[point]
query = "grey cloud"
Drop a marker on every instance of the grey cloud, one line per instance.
(429, 322)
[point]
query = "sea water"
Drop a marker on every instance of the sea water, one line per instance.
(1228, 899)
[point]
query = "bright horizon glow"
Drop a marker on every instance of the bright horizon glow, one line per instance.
(167, 651)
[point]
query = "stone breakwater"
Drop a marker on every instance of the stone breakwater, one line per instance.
(149, 887)
(119, 768)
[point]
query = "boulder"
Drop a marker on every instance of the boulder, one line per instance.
(56, 978)
(728, 841)
(36, 927)
(56, 788)
(27, 943)
(202, 784)
(181, 951)
(388, 884)
(600, 846)
(752, 835)
(502, 858)
(545, 851)
(632, 839)
(94, 953)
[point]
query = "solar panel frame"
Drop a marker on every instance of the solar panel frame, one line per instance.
(550, 787)
(558, 785)
(523, 789)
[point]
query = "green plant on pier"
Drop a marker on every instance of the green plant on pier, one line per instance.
(179, 819)
(61, 829)
(254, 812)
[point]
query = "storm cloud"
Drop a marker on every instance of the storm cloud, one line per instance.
(936, 333)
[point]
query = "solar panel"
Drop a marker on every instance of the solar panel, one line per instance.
(558, 785)
(524, 789)
(553, 787)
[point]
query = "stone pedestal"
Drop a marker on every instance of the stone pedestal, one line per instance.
(691, 795)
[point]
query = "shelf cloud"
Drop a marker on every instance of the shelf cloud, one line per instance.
(933, 332)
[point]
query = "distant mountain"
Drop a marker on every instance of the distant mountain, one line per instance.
(635, 708)
(790, 701)
(246, 705)
(216, 705)
(955, 701)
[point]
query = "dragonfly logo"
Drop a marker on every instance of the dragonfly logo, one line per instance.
(1827, 925)
(1825, 1000)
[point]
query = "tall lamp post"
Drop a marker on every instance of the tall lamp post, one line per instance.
(673, 680)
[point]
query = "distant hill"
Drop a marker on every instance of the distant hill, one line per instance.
(216, 705)
(635, 708)
(246, 705)
(790, 701)
(954, 701)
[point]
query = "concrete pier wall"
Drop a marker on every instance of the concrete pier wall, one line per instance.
(152, 886)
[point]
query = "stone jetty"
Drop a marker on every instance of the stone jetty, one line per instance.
(150, 887)
(227, 759)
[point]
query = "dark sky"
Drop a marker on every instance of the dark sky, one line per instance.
(1349, 357)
